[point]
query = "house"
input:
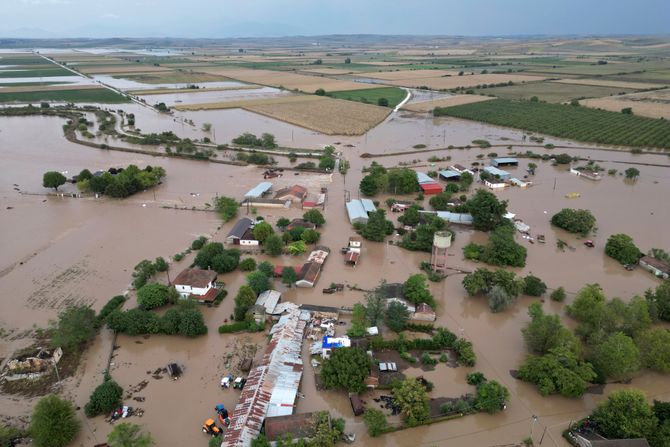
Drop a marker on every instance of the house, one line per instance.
(595, 440)
(269, 300)
(330, 343)
(261, 202)
(259, 190)
(497, 173)
(356, 212)
(353, 252)
(520, 183)
(655, 266)
(504, 161)
(279, 269)
(424, 312)
(456, 218)
(309, 273)
(461, 169)
(297, 426)
(495, 184)
(295, 193)
(248, 238)
(238, 231)
(196, 283)
(450, 175)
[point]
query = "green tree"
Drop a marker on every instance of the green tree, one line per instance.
(440, 202)
(54, 422)
(410, 217)
(654, 346)
(659, 300)
(491, 397)
(534, 286)
(226, 261)
(274, 245)
(191, 322)
(558, 371)
(402, 181)
(267, 268)
(415, 290)
(226, 207)
(261, 231)
(465, 181)
(397, 316)
(375, 421)
(105, 398)
(288, 276)
(359, 322)
(617, 358)
(622, 248)
(161, 264)
(310, 236)
(258, 281)
(574, 221)
(369, 185)
(245, 298)
(412, 398)
(632, 173)
(487, 211)
(320, 92)
(624, 415)
(546, 332)
(247, 264)
(314, 216)
(375, 305)
(346, 369)
(383, 102)
(53, 179)
(129, 435)
(502, 249)
(378, 227)
(283, 222)
(76, 325)
(499, 298)
(558, 294)
(297, 248)
(154, 295)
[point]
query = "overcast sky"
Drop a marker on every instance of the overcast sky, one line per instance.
(261, 18)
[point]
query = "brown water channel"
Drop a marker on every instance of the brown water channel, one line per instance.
(58, 251)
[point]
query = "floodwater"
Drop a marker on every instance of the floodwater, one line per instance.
(74, 80)
(58, 251)
(200, 96)
(131, 84)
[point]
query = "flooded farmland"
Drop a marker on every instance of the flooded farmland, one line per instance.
(59, 251)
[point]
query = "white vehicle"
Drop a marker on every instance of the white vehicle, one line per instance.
(226, 381)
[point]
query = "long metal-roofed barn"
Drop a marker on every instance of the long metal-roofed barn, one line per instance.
(504, 161)
(272, 386)
(356, 212)
(258, 190)
(503, 175)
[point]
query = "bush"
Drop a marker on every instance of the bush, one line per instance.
(406, 356)
(198, 243)
(248, 265)
(375, 421)
(346, 369)
(155, 295)
(534, 286)
(622, 248)
(104, 399)
(465, 352)
(426, 359)
(226, 207)
(558, 294)
(112, 305)
(161, 264)
(475, 378)
(54, 422)
(574, 221)
(76, 325)
(240, 326)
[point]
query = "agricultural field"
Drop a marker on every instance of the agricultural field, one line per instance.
(79, 94)
(121, 69)
(453, 82)
(551, 91)
(41, 71)
(409, 74)
(456, 100)
(329, 116)
(245, 103)
(161, 91)
(653, 104)
(290, 81)
(566, 121)
(171, 77)
(602, 70)
(658, 76)
(610, 83)
(393, 95)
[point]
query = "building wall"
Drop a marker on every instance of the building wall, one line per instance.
(248, 242)
(185, 290)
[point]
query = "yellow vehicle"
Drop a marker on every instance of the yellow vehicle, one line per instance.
(210, 428)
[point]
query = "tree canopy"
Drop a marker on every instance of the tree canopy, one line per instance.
(129, 435)
(491, 397)
(617, 358)
(54, 422)
(415, 290)
(226, 207)
(622, 248)
(546, 332)
(347, 368)
(53, 179)
(412, 398)
(558, 371)
(314, 216)
(625, 414)
(377, 227)
(486, 210)
(153, 295)
(574, 221)
(397, 316)
(105, 398)
(245, 298)
(76, 325)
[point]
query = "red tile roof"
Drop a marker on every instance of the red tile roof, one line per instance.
(208, 297)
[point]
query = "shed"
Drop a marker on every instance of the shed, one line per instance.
(655, 266)
(424, 313)
(297, 426)
(503, 175)
(308, 275)
(269, 300)
(430, 188)
(520, 183)
(239, 229)
(504, 161)
(450, 175)
(422, 178)
(259, 190)
(456, 218)
(302, 223)
(356, 404)
(368, 205)
(356, 212)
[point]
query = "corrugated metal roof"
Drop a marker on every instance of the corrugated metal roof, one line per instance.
(356, 211)
(505, 160)
(273, 384)
(495, 171)
(269, 300)
(368, 205)
(461, 218)
(259, 190)
(424, 178)
(241, 227)
(449, 174)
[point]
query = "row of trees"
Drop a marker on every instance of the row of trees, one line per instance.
(501, 248)
(396, 181)
(184, 319)
(266, 141)
(501, 287)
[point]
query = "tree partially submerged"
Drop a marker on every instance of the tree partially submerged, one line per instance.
(347, 368)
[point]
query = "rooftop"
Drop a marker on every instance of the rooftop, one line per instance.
(296, 425)
(195, 278)
(240, 227)
(259, 190)
(447, 174)
(505, 160)
(269, 300)
(355, 210)
(424, 178)
(495, 171)
(297, 191)
(368, 205)
(656, 263)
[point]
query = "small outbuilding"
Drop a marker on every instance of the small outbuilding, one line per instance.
(356, 404)
(238, 231)
(368, 205)
(295, 193)
(504, 161)
(430, 188)
(424, 312)
(450, 175)
(356, 212)
(655, 266)
(269, 300)
(498, 173)
(297, 426)
(259, 190)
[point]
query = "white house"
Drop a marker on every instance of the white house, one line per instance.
(330, 343)
(196, 283)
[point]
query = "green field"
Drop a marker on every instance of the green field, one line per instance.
(394, 95)
(551, 91)
(30, 84)
(566, 121)
(92, 95)
(657, 76)
(22, 60)
(36, 73)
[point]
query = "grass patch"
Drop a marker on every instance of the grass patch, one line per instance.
(96, 95)
(394, 95)
(565, 121)
(30, 84)
(36, 73)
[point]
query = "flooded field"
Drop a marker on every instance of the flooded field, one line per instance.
(58, 251)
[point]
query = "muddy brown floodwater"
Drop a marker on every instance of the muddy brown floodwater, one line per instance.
(58, 251)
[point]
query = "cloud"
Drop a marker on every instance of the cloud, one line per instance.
(110, 16)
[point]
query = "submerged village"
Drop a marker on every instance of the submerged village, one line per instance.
(393, 246)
